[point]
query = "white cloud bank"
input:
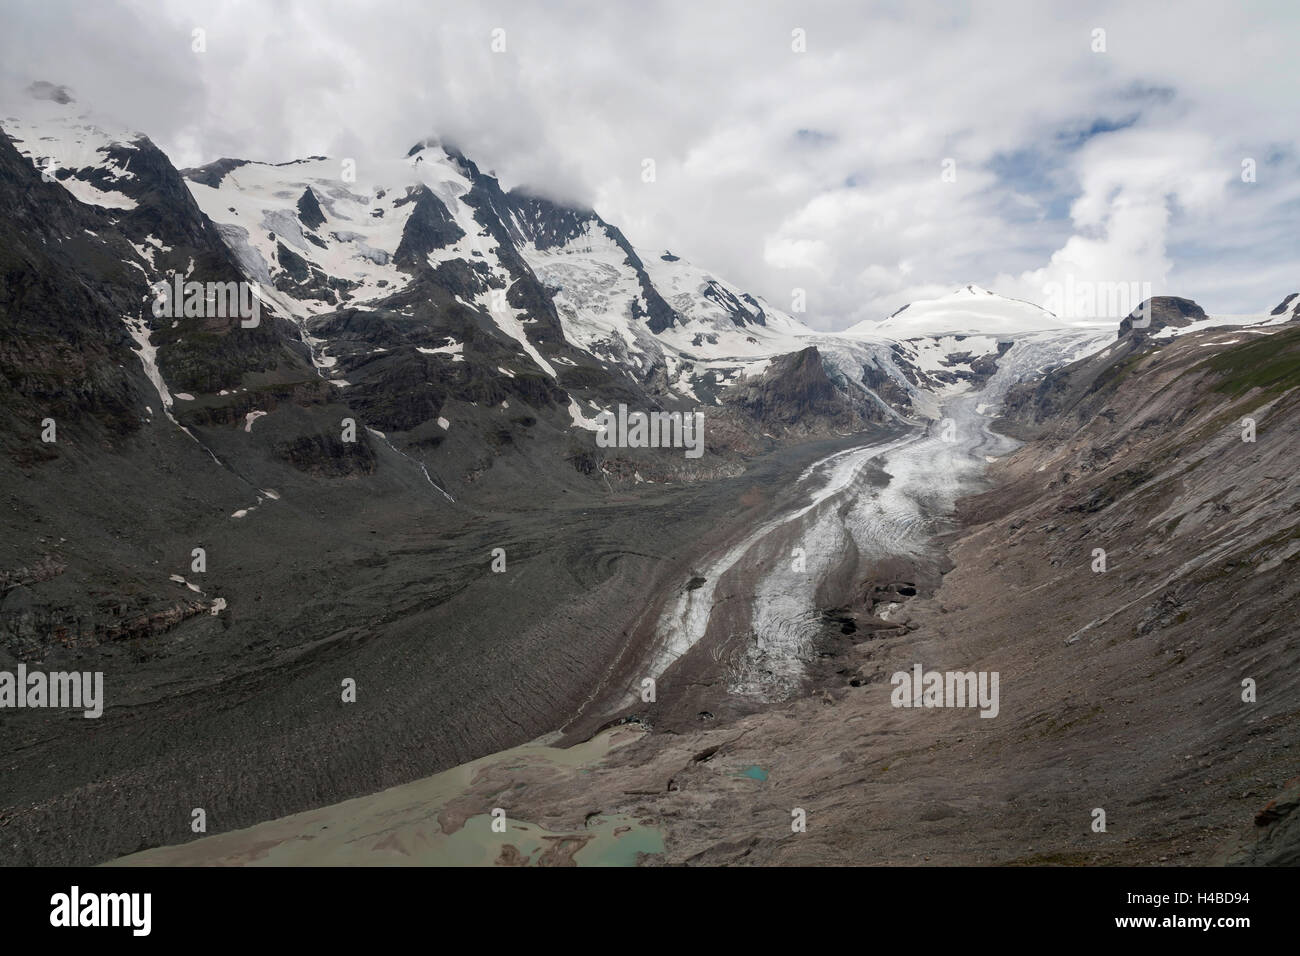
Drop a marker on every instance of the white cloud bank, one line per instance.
(821, 170)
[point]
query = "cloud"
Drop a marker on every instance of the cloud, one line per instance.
(778, 169)
(1131, 186)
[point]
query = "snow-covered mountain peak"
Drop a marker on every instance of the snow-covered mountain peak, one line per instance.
(87, 152)
(377, 235)
(969, 310)
(415, 279)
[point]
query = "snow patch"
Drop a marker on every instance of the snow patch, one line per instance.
(456, 350)
(580, 419)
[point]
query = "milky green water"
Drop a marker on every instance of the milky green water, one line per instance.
(402, 826)
(476, 844)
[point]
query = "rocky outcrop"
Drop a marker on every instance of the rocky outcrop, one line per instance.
(1160, 312)
(31, 630)
(550, 225)
(212, 174)
(303, 280)
(429, 228)
(796, 392)
(309, 211)
(64, 352)
(1273, 839)
(1290, 304)
(327, 456)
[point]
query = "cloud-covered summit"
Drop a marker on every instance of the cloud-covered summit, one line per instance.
(868, 154)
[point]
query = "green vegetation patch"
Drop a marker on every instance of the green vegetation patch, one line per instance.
(1271, 363)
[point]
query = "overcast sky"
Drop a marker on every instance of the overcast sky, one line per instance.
(776, 168)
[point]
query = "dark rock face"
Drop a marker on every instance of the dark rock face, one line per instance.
(164, 206)
(796, 391)
(429, 227)
(795, 385)
(72, 281)
(1080, 389)
(309, 211)
(742, 310)
(194, 354)
(212, 174)
(327, 456)
(1165, 311)
(884, 385)
(293, 264)
(64, 351)
(658, 313)
(1290, 304)
(545, 223)
(303, 280)
(551, 225)
(492, 210)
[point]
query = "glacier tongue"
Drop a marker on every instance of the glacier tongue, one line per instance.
(841, 517)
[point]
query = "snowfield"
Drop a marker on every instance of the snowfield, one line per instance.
(968, 311)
